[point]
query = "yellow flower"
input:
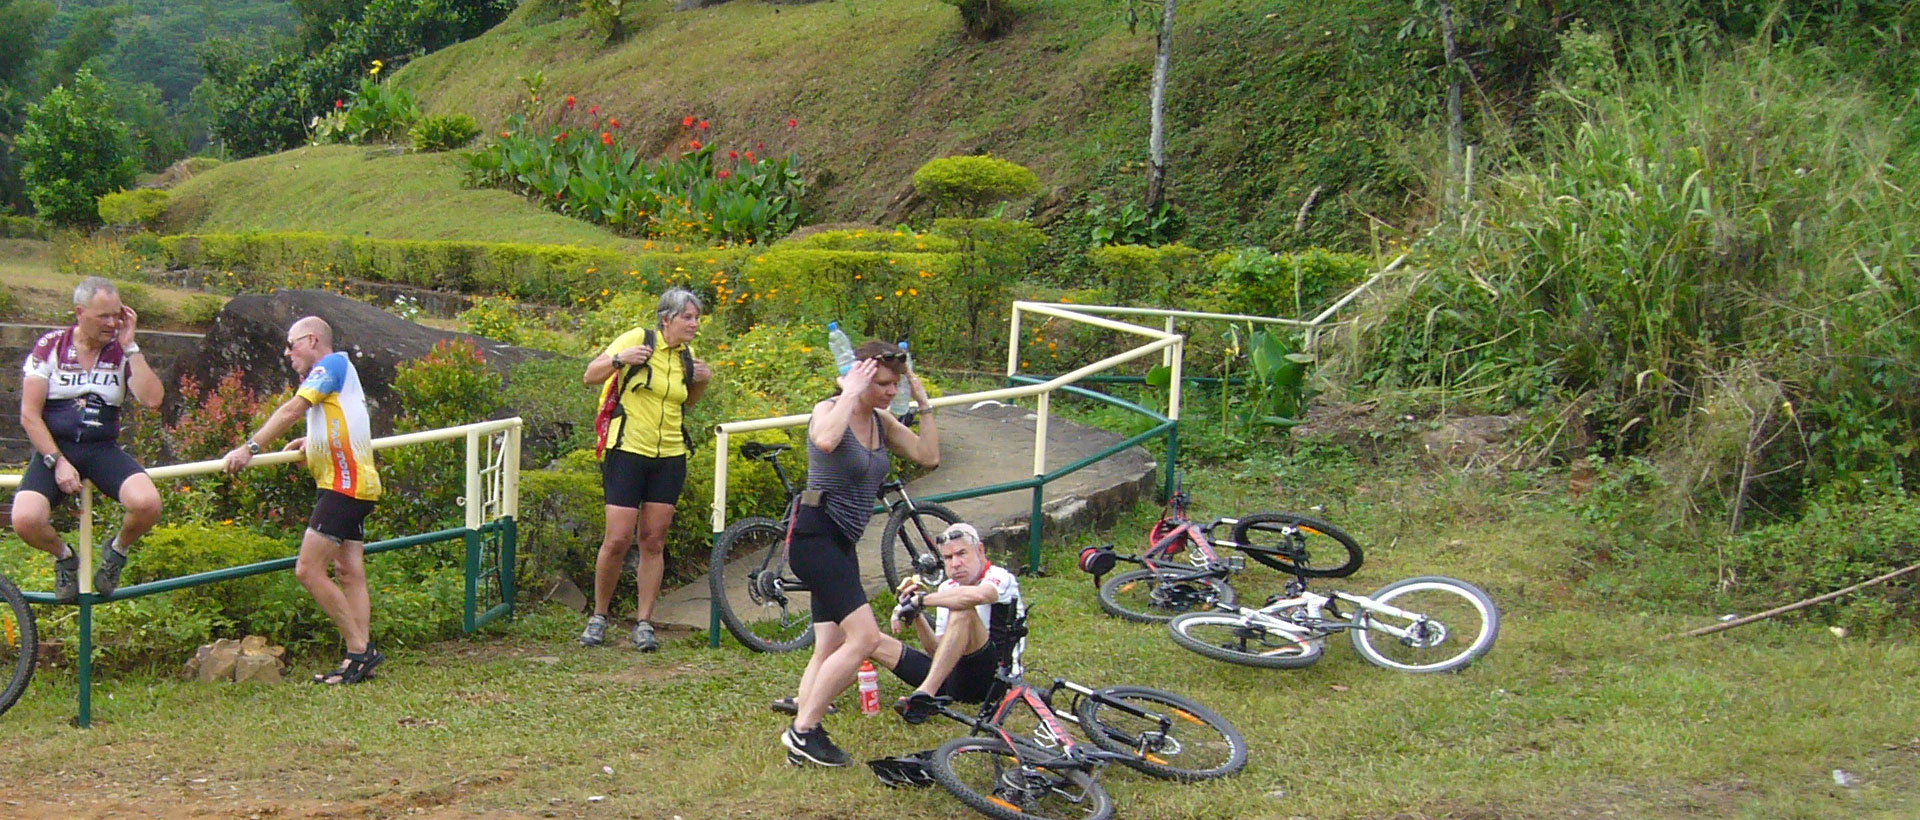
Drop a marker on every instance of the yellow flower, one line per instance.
(375, 70)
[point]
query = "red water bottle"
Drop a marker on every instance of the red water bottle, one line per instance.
(869, 689)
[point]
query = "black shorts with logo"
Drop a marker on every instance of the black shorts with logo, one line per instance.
(101, 462)
(339, 516)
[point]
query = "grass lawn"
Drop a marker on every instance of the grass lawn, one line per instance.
(42, 294)
(1585, 708)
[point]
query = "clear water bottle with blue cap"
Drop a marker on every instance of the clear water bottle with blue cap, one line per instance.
(841, 346)
(903, 400)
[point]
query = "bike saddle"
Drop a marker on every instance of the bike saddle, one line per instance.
(755, 449)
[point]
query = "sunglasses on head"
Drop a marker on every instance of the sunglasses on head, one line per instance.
(945, 537)
(887, 357)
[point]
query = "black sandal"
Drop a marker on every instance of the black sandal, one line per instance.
(354, 668)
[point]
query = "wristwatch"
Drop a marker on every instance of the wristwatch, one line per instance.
(131, 349)
(253, 447)
(49, 459)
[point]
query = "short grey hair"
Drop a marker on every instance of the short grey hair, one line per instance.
(90, 287)
(675, 302)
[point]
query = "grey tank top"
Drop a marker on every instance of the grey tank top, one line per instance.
(850, 476)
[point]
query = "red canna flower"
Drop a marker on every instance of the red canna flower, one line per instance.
(569, 100)
(613, 123)
(725, 174)
(594, 110)
(733, 155)
(695, 144)
(606, 138)
(505, 135)
(687, 122)
(339, 104)
(793, 123)
(749, 156)
(759, 146)
(703, 125)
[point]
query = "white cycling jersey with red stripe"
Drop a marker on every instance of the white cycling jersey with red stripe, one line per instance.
(83, 401)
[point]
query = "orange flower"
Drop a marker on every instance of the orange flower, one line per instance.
(687, 121)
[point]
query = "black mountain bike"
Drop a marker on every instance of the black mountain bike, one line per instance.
(774, 614)
(18, 643)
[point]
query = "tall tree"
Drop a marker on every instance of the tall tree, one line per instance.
(91, 36)
(21, 24)
(1157, 128)
(73, 150)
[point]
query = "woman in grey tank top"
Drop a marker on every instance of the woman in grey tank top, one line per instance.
(848, 443)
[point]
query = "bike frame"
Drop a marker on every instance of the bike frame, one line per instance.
(993, 716)
(1315, 624)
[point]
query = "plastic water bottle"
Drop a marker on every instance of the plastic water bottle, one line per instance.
(841, 346)
(903, 400)
(869, 689)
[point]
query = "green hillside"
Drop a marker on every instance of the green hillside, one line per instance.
(1261, 115)
(375, 192)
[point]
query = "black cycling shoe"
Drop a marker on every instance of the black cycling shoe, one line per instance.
(917, 707)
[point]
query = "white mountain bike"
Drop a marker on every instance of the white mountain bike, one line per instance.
(1424, 624)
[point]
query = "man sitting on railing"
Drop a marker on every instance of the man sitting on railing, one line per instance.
(339, 448)
(74, 382)
(979, 625)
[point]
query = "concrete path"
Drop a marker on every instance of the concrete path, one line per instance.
(989, 445)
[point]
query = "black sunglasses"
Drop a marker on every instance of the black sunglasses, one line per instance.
(886, 357)
(944, 537)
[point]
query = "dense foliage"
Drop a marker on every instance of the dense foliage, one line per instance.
(72, 150)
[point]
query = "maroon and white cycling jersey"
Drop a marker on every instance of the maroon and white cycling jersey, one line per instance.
(83, 404)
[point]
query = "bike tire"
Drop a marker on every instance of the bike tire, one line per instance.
(751, 553)
(19, 644)
(1450, 602)
(986, 774)
(1227, 636)
(1141, 596)
(905, 539)
(1199, 745)
(1272, 539)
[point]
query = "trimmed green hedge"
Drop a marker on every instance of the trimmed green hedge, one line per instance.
(874, 293)
(23, 227)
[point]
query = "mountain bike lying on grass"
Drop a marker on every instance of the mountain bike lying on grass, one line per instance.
(1167, 585)
(1049, 774)
(776, 615)
(1424, 624)
(18, 644)
(1007, 773)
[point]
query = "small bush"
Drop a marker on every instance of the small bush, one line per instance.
(972, 183)
(494, 317)
(1295, 285)
(1133, 274)
(200, 309)
(378, 112)
(23, 227)
(554, 406)
(444, 132)
(141, 206)
(1847, 535)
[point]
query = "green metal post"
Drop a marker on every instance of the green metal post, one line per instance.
(467, 618)
(1173, 460)
(1033, 532)
(713, 608)
(509, 583)
(85, 719)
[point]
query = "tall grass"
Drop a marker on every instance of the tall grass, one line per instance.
(1691, 227)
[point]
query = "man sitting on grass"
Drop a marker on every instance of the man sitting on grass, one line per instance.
(978, 621)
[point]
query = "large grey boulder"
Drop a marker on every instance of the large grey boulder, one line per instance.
(250, 336)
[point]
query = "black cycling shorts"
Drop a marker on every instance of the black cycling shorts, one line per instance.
(972, 676)
(101, 462)
(340, 516)
(629, 480)
(822, 556)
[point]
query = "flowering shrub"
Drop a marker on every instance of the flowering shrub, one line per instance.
(375, 112)
(582, 167)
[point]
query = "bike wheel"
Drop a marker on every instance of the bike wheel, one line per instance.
(908, 535)
(750, 581)
(1231, 637)
(1141, 595)
(1298, 545)
(1444, 623)
(986, 774)
(1197, 744)
(18, 644)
